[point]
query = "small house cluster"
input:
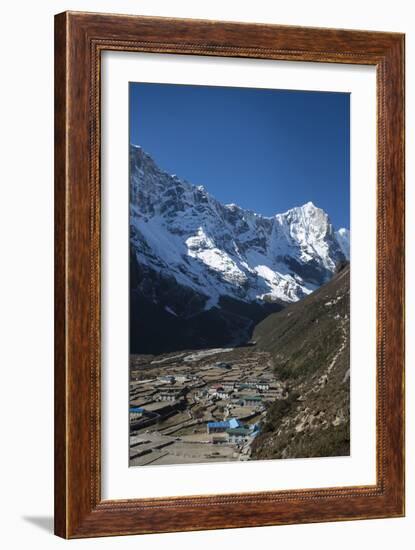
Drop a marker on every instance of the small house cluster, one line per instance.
(231, 431)
(175, 379)
(171, 394)
(243, 395)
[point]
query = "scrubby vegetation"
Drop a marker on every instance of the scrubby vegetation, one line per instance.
(309, 343)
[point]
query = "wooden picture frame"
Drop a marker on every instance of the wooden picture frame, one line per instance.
(79, 40)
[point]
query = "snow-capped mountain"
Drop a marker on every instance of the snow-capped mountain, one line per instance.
(343, 238)
(190, 252)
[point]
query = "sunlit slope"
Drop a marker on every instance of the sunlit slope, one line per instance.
(309, 345)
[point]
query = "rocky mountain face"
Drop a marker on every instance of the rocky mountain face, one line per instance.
(204, 273)
(310, 348)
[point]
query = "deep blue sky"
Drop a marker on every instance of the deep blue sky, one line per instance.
(266, 150)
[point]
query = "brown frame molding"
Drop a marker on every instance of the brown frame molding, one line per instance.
(79, 40)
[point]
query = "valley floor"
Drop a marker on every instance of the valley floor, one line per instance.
(199, 406)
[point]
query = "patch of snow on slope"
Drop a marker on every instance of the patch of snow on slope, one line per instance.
(202, 247)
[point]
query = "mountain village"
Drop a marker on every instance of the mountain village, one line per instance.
(199, 406)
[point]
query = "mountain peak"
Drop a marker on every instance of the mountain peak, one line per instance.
(219, 250)
(140, 159)
(309, 208)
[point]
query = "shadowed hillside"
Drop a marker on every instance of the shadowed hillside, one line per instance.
(183, 324)
(309, 346)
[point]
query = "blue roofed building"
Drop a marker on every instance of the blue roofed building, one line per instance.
(234, 423)
(136, 412)
(214, 427)
(239, 435)
(222, 426)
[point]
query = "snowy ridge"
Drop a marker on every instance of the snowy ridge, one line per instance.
(343, 238)
(179, 230)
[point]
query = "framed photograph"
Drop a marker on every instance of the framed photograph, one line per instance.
(229, 275)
